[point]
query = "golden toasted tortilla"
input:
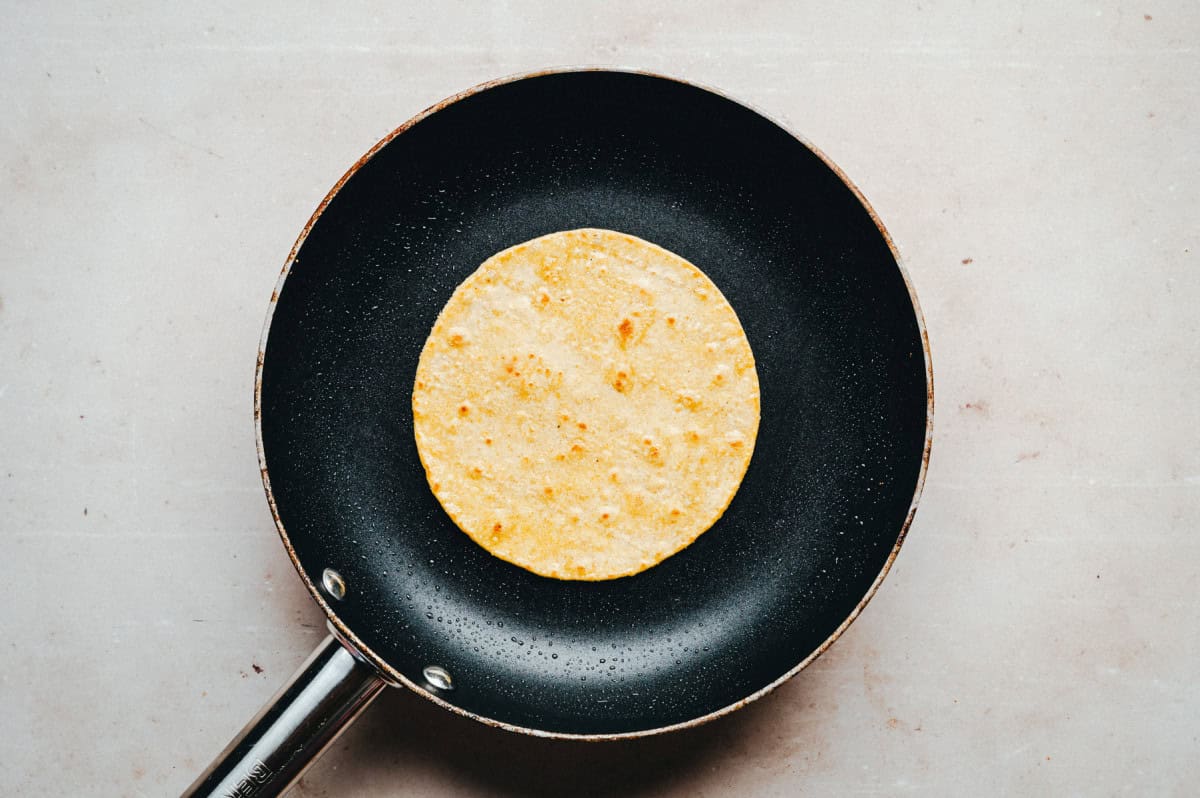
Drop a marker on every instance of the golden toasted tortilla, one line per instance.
(586, 405)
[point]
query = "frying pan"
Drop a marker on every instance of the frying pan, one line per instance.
(846, 397)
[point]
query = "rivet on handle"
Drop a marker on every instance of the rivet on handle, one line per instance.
(438, 677)
(334, 584)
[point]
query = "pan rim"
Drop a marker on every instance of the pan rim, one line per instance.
(395, 677)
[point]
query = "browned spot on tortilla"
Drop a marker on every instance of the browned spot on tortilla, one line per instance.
(625, 328)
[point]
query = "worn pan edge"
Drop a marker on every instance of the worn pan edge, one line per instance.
(395, 677)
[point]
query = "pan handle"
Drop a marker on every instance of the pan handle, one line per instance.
(320, 700)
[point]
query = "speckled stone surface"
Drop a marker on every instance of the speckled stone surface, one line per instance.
(1036, 167)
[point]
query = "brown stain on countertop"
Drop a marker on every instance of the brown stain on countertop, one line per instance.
(979, 406)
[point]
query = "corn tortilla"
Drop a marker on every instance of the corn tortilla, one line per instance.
(586, 405)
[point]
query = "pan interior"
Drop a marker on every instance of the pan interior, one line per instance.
(842, 384)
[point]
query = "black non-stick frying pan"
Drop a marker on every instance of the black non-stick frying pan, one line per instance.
(846, 396)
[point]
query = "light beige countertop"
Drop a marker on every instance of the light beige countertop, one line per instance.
(1037, 166)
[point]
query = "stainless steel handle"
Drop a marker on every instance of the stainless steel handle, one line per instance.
(328, 692)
